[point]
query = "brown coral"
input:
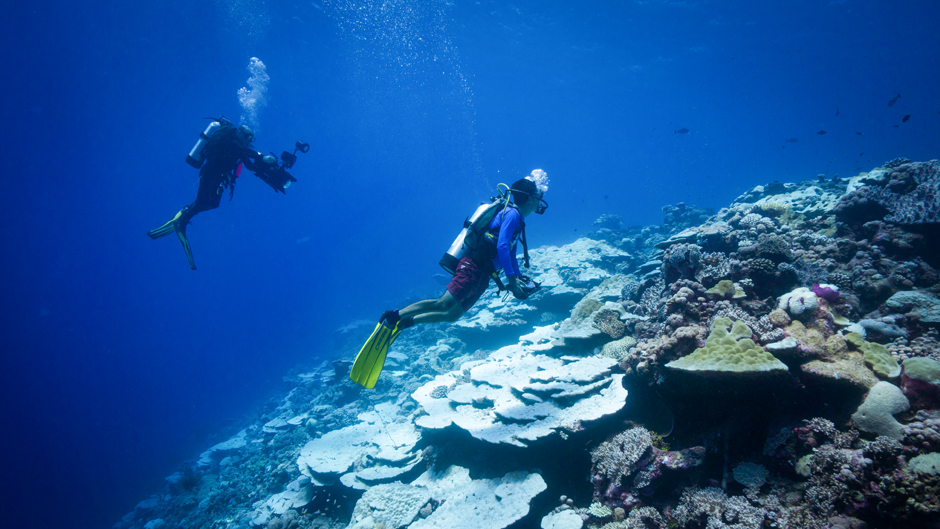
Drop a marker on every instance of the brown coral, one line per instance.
(608, 322)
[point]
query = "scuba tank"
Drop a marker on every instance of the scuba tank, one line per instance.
(194, 158)
(458, 250)
(469, 237)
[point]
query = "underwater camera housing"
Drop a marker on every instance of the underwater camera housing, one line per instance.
(290, 159)
(274, 173)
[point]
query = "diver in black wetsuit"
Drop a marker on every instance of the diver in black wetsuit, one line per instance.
(219, 155)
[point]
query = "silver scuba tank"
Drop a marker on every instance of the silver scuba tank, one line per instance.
(194, 158)
(458, 250)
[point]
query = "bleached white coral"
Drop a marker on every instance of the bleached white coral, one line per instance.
(599, 510)
(798, 301)
(753, 219)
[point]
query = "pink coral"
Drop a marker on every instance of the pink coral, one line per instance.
(828, 292)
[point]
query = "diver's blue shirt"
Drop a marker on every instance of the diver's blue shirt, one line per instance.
(508, 223)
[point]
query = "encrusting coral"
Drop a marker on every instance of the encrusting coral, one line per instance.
(729, 349)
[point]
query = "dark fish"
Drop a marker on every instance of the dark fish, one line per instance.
(681, 131)
(858, 133)
(821, 132)
(837, 111)
(893, 101)
(905, 118)
(792, 140)
(861, 154)
(895, 126)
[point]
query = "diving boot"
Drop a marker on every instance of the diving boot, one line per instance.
(168, 228)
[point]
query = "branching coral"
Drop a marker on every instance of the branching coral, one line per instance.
(618, 457)
(639, 518)
(713, 267)
(718, 510)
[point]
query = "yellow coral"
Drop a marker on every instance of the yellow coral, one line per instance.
(811, 339)
(877, 356)
(726, 288)
(729, 348)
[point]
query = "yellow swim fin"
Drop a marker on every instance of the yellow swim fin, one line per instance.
(368, 365)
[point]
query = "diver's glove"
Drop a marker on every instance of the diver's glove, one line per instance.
(523, 287)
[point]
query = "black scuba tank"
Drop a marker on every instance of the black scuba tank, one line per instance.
(194, 158)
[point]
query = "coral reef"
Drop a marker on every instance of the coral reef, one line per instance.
(791, 342)
(908, 194)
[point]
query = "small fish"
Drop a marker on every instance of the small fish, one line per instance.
(905, 118)
(837, 111)
(861, 154)
(681, 131)
(858, 133)
(895, 126)
(821, 132)
(792, 140)
(894, 100)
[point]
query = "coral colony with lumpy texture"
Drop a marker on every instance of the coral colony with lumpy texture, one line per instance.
(772, 365)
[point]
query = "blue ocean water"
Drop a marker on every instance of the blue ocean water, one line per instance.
(120, 362)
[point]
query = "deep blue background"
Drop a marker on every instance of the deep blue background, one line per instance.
(119, 362)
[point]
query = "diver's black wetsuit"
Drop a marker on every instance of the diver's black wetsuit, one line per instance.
(222, 154)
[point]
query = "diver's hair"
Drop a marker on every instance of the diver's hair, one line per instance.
(527, 189)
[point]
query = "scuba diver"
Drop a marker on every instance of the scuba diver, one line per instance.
(220, 154)
(486, 245)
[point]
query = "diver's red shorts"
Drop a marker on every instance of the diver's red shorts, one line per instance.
(469, 283)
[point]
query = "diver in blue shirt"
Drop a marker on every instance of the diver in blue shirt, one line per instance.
(472, 273)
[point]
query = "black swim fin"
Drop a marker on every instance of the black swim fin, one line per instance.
(179, 226)
(167, 228)
(181, 233)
